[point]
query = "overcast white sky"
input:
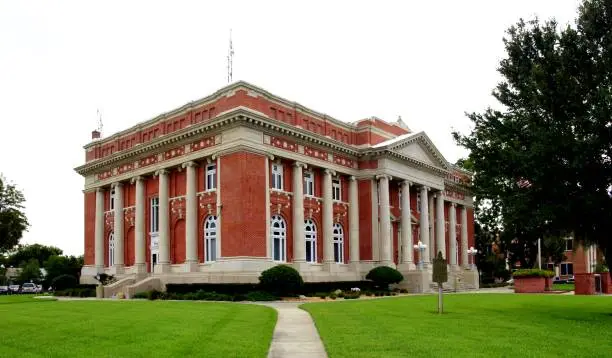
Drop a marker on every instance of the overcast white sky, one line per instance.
(428, 61)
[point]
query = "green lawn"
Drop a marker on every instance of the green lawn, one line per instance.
(31, 328)
(563, 287)
(485, 325)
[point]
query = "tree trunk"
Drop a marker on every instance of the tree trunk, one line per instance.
(440, 304)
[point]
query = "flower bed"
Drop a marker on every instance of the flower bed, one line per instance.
(532, 281)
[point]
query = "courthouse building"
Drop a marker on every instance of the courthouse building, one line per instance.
(225, 187)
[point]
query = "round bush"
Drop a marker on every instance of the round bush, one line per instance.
(281, 280)
(63, 282)
(383, 276)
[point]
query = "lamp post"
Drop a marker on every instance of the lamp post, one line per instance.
(421, 247)
(472, 252)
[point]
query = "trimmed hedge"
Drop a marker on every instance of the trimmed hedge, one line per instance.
(201, 295)
(281, 280)
(63, 282)
(78, 291)
(383, 276)
(533, 273)
(225, 288)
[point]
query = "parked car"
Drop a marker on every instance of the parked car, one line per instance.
(29, 287)
(14, 288)
(4, 290)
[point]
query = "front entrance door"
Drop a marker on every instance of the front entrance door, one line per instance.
(154, 252)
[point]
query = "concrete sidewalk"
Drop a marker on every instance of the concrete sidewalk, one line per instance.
(295, 334)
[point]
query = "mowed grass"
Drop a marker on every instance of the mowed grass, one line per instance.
(474, 325)
(34, 328)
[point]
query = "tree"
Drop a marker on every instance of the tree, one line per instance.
(25, 253)
(30, 272)
(543, 161)
(13, 221)
(62, 265)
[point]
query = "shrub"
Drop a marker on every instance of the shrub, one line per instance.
(383, 276)
(281, 280)
(226, 288)
(368, 293)
(260, 296)
(322, 295)
(403, 290)
(533, 273)
(63, 282)
(153, 295)
(333, 296)
(140, 295)
(313, 288)
(352, 295)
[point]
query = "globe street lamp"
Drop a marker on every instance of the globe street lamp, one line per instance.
(472, 252)
(421, 248)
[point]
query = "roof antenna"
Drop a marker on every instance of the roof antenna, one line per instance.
(97, 133)
(230, 59)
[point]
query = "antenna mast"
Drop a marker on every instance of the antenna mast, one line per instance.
(100, 126)
(230, 59)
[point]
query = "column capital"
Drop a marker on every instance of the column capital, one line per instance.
(161, 172)
(453, 205)
(406, 182)
(330, 172)
(189, 164)
(116, 185)
(352, 178)
(382, 176)
(425, 188)
(270, 156)
(299, 164)
(100, 189)
(137, 179)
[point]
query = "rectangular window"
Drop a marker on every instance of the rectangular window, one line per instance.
(567, 269)
(309, 184)
(336, 190)
(211, 177)
(277, 176)
(569, 245)
(154, 215)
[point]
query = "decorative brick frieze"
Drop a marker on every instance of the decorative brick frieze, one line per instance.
(202, 143)
(173, 153)
(283, 144)
(315, 153)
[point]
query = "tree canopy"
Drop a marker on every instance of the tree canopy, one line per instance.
(543, 161)
(13, 221)
(38, 252)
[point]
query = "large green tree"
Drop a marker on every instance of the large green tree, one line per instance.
(13, 221)
(543, 159)
(62, 265)
(38, 252)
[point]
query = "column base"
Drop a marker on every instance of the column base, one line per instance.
(118, 269)
(140, 268)
(99, 269)
(471, 279)
(418, 281)
(162, 267)
(191, 266)
(406, 266)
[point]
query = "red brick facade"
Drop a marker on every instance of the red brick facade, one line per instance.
(242, 132)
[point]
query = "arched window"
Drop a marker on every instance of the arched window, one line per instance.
(338, 243)
(310, 233)
(111, 249)
(278, 232)
(210, 238)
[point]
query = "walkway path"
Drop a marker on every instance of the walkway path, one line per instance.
(295, 334)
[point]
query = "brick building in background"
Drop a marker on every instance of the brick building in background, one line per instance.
(237, 182)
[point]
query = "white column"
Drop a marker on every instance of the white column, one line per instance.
(139, 229)
(164, 218)
(118, 229)
(375, 229)
(386, 256)
(354, 221)
(440, 237)
(432, 232)
(328, 217)
(299, 244)
(452, 234)
(406, 226)
(99, 231)
(424, 224)
(191, 218)
(464, 237)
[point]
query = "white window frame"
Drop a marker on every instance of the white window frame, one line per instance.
(277, 176)
(309, 186)
(154, 222)
(566, 265)
(566, 242)
(111, 249)
(338, 239)
(310, 235)
(111, 202)
(336, 190)
(278, 236)
(210, 183)
(210, 239)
